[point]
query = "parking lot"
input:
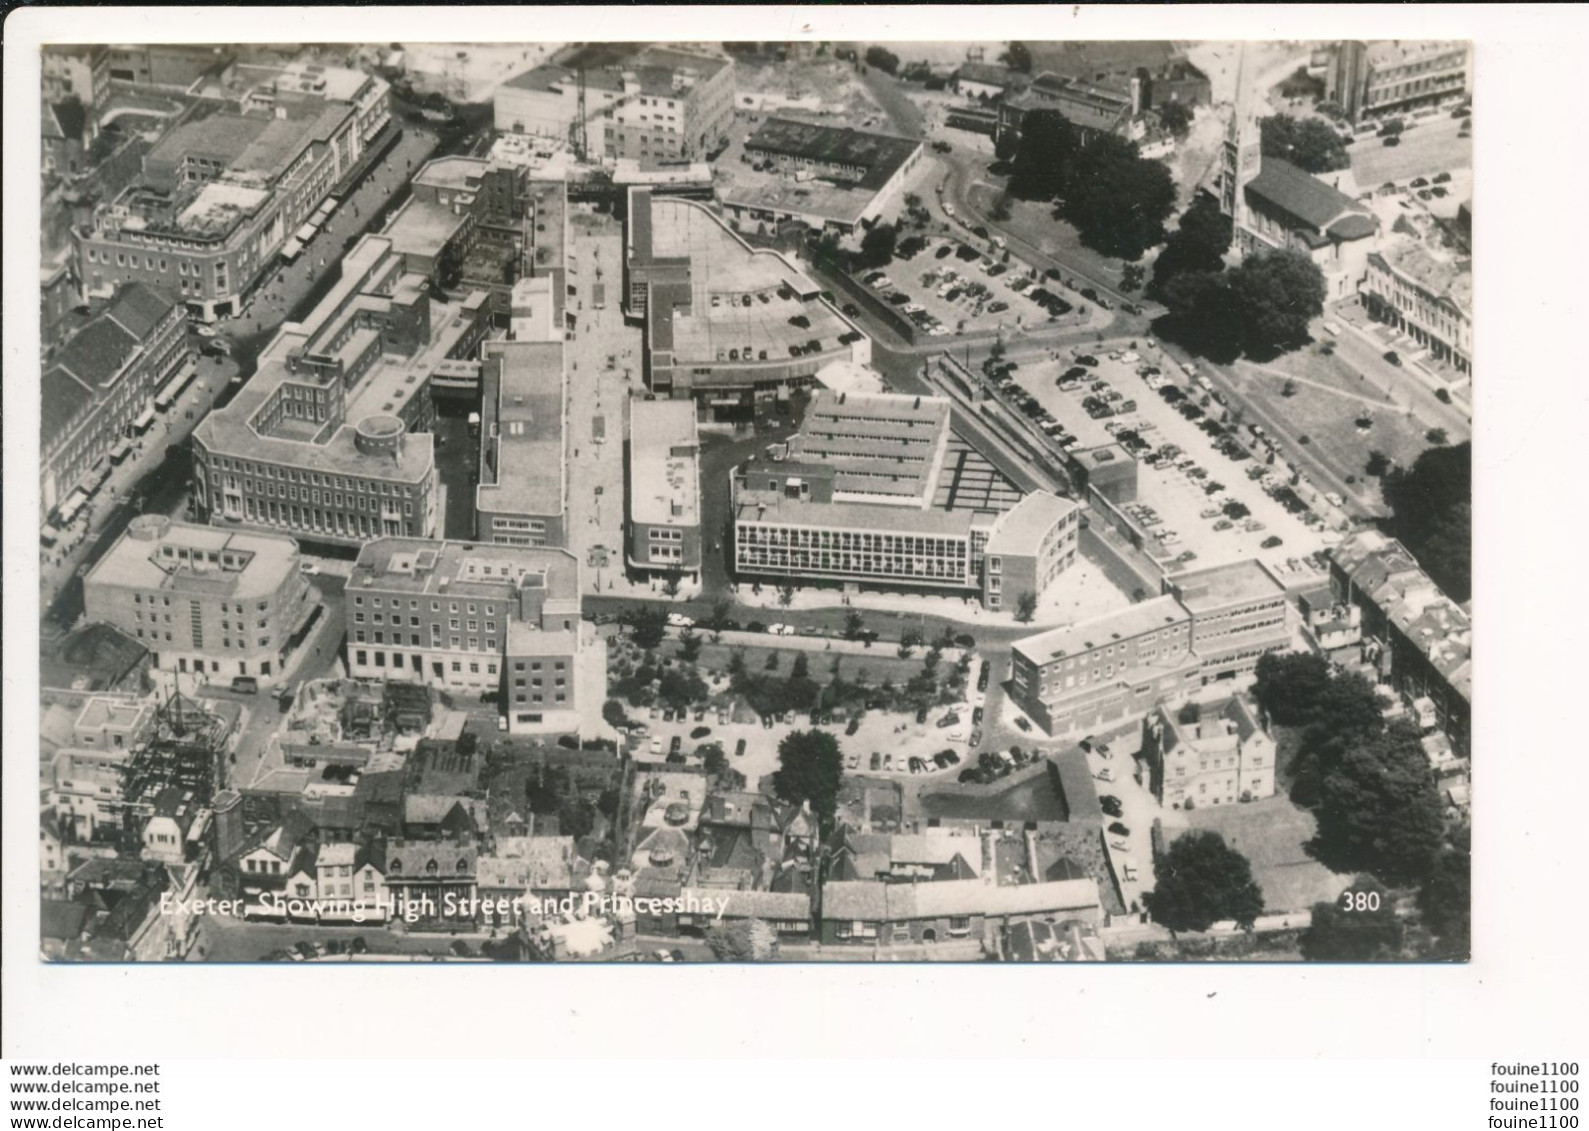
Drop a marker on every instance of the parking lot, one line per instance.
(1191, 492)
(948, 287)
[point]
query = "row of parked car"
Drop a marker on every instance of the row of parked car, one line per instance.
(307, 951)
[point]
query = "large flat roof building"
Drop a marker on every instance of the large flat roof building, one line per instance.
(202, 599)
(664, 487)
(329, 440)
(724, 322)
(853, 499)
(522, 498)
(465, 615)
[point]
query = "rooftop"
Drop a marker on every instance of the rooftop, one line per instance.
(1445, 276)
(664, 472)
(157, 553)
(1203, 590)
(526, 465)
(419, 565)
(1073, 639)
(1022, 529)
(421, 227)
(1307, 198)
(877, 157)
(757, 504)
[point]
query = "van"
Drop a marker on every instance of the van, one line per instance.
(245, 684)
(739, 749)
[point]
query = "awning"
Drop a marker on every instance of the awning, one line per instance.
(73, 503)
(145, 419)
(174, 386)
(268, 911)
(291, 248)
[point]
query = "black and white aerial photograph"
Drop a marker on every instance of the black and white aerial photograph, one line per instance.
(829, 501)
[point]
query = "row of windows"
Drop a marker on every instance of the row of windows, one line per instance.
(312, 478)
(747, 534)
(435, 607)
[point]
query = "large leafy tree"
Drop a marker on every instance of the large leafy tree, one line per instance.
(810, 766)
(1018, 57)
(1361, 926)
(1204, 312)
(1378, 810)
(1311, 144)
(877, 246)
(1278, 292)
(1202, 880)
(1198, 244)
(1048, 144)
(1117, 199)
(1432, 503)
(747, 940)
(1446, 900)
(1289, 685)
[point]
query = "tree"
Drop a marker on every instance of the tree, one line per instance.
(1378, 464)
(786, 595)
(689, 645)
(877, 246)
(1278, 292)
(883, 59)
(801, 668)
(680, 686)
(1117, 199)
(1202, 880)
(909, 641)
(1433, 514)
(854, 624)
(612, 711)
(810, 766)
(1289, 685)
(1378, 810)
(1018, 57)
(745, 940)
(1026, 607)
(1446, 900)
(1312, 145)
(1438, 437)
(1204, 311)
(1198, 244)
(1001, 208)
(1131, 277)
(647, 628)
(1176, 117)
(1048, 143)
(714, 760)
(1360, 926)
(718, 620)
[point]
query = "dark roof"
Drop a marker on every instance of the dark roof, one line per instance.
(60, 919)
(64, 396)
(880, 155)
(98, 351)
(1078, 793)
(1353, 227)
(69, 117)
(138, 308)
(1304, 196)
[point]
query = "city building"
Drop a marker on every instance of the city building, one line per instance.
(852, 500)
(828, 177)
(984, 81)
(1104, 88)
(1094, 109)
(1375, 80)
(882, 915)
(1274, 204)
(522, 496)
(1419, 640)
(100, 388)
(1239, 611)
(660, 104)
(80, 72)
(724, 323)
(219, 196)
(1425, 293)
(174, 67)
(221, 602)
(664, 529)
(328, 441)
(471, 617)
(1084, 676)
(1209, 751)
(1108, 471)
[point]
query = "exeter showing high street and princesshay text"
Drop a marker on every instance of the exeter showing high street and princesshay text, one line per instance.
(756, 502)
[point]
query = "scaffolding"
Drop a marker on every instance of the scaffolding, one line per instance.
(184, 751)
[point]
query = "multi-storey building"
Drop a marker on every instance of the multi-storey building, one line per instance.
(1239, 611)
(1211, 751)
(328, 440)
(724, 323)
(80, 72)
(522, 497)
(664, 529)
(1101, 87)
(200, 599)
(1420, 640)
(467, 616)
(1425, 293)
(219, 196)
(173, 66)
(660, 104)
(1375, 80)
(825, 176)
(1086, 675)
(853, 500)
(101, 385)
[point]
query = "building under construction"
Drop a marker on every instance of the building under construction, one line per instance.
(186, 750)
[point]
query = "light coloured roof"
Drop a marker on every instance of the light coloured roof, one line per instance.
(1204, 590)
(422, 227)
(419, 565)
(181, 557)
(530, 471)
(664, 453)
(1022, 529)
(1073, 639)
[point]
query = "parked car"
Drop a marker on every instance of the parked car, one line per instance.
(853, 762)
(679, 620)
(1118, 829)
(1110, 804)
(855, 725)
(877, 761)
(739, 749)
(1021, 722)
(921, 715)
(358, 945)
(949, 720)
(1271, 542)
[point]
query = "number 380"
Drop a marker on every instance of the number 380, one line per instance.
(1360, 901)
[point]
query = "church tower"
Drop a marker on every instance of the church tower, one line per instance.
(1242, 155)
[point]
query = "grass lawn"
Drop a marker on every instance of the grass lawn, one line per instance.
(1034, 222)
(1327, 402)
